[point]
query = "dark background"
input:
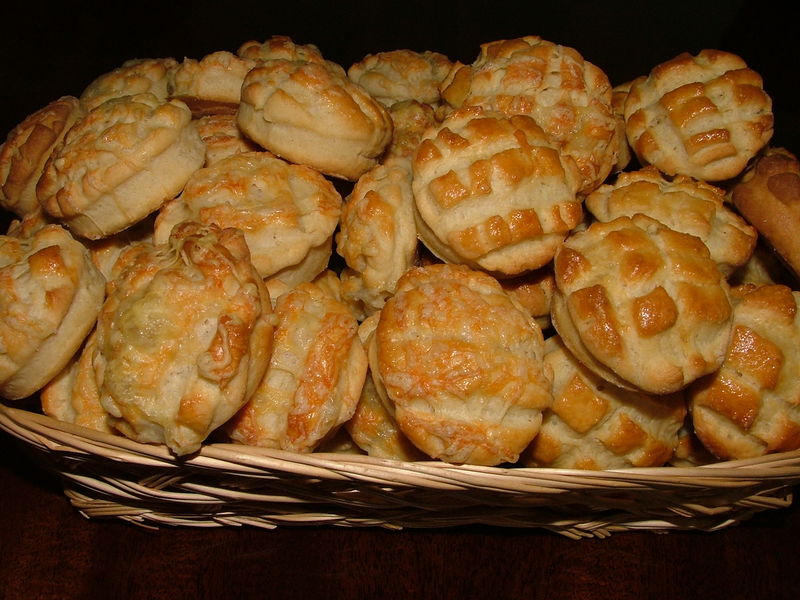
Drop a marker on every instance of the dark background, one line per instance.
(48, 51)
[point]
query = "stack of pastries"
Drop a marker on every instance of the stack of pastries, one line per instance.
(510, 262)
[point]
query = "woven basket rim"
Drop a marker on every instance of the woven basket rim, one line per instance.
(55, 436)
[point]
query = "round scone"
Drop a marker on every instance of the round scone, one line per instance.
(410, 121)
(314, 378)
(593, 425)
(377, 236)
(567, 96)
(279, 47)
(310, 113)
(402, 75)
(768, 196)
(211, 85)
(135, 76)
(51, 296)
(703, 116)
(72, 396)
(641, 305)
(461, 365)
(751, 405)
(287, 212)
(372, 426)
(222, 137)
(493, 193)
(683, 204)
(119, 163)
(184, 336)
(28, 146)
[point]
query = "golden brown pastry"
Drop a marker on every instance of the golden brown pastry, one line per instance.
(288, 212)
(619, 94)
(402, 75)
(222, 137)
(72, 396)
(493, 193)
(120, 163)
(377, 236)
(372, 426)
(28, 146)
(461, 365)
(704, 116)
(135, 76)
(51, 296)
(310, 113)
(211, 85)
(641, 305)
(768, 196)
(683, 204)
(750, 406)
(280, 47)
(534, 291)
(567, 96)
(314, 378)
(594, 425)
(184, 336)
(410, 122)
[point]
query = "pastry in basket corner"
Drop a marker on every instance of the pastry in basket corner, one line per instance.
(314, 378)
(705, 115)
(751, 405)
(460, 364)
(25, 152)
(642, 305)
(184, 336)
(595, 425)
(119, 163)
(768, 195)
(51, 296)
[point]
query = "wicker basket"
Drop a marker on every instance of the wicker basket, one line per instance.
(106, 476)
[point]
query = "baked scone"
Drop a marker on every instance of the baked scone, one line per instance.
(222, 137)
(287, 212)
(72, 396)
(372, 426)
(619, 94)
(26, 150)
(534, 291)
(492, 192)
(119, 163)
(768, 196)
(410, 121)
(641, 305)
(184, 336)
(593, 425)
(106, 251)
(310, 113)
(211, 85)
(402, 75)
(135, 76)
(704, 116)
(567, 96)
(750, 406)
(51, 296)
(314, 378)
(280, 47)
(377, 235)
(460, 363)
(683, 204)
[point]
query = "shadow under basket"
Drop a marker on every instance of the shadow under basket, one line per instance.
(106, 476)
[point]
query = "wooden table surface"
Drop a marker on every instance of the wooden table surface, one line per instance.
(48, 550)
